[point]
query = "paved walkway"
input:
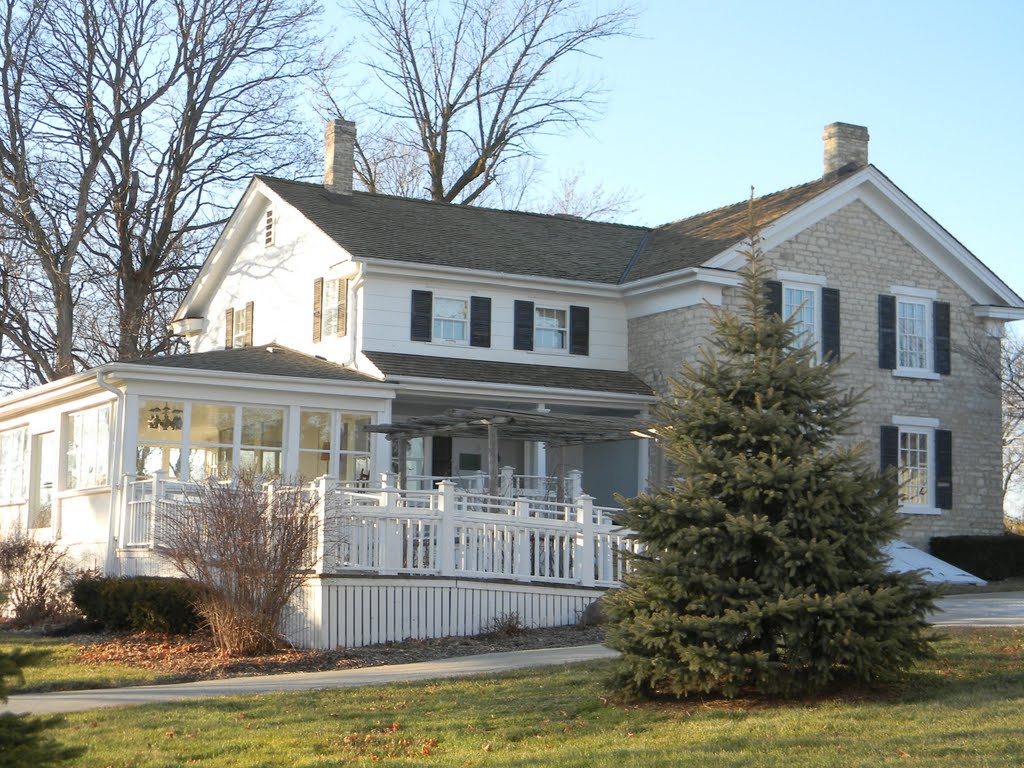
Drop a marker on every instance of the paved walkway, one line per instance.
(996, 609)
(985, 609)
(485, 663)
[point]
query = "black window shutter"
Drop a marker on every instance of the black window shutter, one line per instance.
(773, 297)
(943, 469)
(318, 301)
(829, 324)
(890, 439)
(523, 326)
(887, 332)
(940, 337)
(421, 326)
(229, 328)
(579, 330)
(479, 321)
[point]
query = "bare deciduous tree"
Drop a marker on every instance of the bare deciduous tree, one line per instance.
(471, 84)
(125, 128)
(1005, 367)
(247, 544)
(574, 198)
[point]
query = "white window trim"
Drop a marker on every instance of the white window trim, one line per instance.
(434, 338)
(926, 426)
(813, 284)
(564, 309)
(925, 297)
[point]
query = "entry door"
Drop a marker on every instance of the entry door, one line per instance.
(44, 478)
(441, 457)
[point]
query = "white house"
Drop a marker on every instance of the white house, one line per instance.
(506, 354)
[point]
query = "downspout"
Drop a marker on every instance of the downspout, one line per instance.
(115, 474)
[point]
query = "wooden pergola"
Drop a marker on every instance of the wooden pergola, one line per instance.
(558, 430)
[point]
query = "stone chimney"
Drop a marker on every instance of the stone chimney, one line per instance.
(846, 147)
(339, 156)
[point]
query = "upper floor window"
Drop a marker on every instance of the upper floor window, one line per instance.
(800, 304)
(813, 308)
(238, 327)
(88, 448)
(914, 333)
(550, 328)
(451, 320)
(268, 228)
(13, 449)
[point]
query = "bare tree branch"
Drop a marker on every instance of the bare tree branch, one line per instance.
(127, 126)
(471, 83)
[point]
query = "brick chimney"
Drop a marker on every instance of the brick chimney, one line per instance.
(846, 147)
(339, 156)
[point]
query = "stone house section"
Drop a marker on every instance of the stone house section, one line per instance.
(862, 256)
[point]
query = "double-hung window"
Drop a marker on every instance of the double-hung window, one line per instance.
(451, 320)
(914, 333)
(800, 303)
(550, 328)
(238, 326)
(921, 455)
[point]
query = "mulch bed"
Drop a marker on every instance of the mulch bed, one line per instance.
(196, 658)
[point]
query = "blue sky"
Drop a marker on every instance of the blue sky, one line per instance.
(713, 97)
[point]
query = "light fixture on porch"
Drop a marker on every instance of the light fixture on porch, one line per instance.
(165, 418)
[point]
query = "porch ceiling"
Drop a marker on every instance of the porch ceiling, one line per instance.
(535, 426)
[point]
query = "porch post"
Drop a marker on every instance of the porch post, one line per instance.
(323, 488)
(560, 476)
(585, 550)
(523, 554)
(445, 540)
(492, 460)
(575, 483)
(403, 458)
(508, 483)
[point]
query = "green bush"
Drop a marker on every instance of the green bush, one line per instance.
(139, 603)
(992, 558)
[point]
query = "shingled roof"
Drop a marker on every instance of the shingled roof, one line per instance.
(268, 359)
(396, 366)
(466, 237)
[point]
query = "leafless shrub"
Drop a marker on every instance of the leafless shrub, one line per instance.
(36, 577)
(248, 543)
(505, 625)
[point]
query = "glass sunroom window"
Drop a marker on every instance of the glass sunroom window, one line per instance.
(262, 441)
(159, 427)
(346, 457)
(212, 441)
(87, 455)
(13, 447)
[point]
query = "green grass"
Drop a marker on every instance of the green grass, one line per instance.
(962, 709)
(62, 671)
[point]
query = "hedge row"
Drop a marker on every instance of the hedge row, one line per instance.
(993, 558)
(139, 603)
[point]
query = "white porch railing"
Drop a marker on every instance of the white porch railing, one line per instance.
(444, 532)
(510, 485)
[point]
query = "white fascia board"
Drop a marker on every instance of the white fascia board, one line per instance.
(674, 290)
(278, 384)
(449, 387)
(893, 206)
(488, 278)
(212, 268)
(1006, 314)
(52, 393)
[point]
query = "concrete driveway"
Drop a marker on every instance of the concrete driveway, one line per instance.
(987, 609)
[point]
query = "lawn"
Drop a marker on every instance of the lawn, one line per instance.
(964, 708)
(63, 671)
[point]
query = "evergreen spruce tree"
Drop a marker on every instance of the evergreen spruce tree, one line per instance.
(760, 568)
(24, 742)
